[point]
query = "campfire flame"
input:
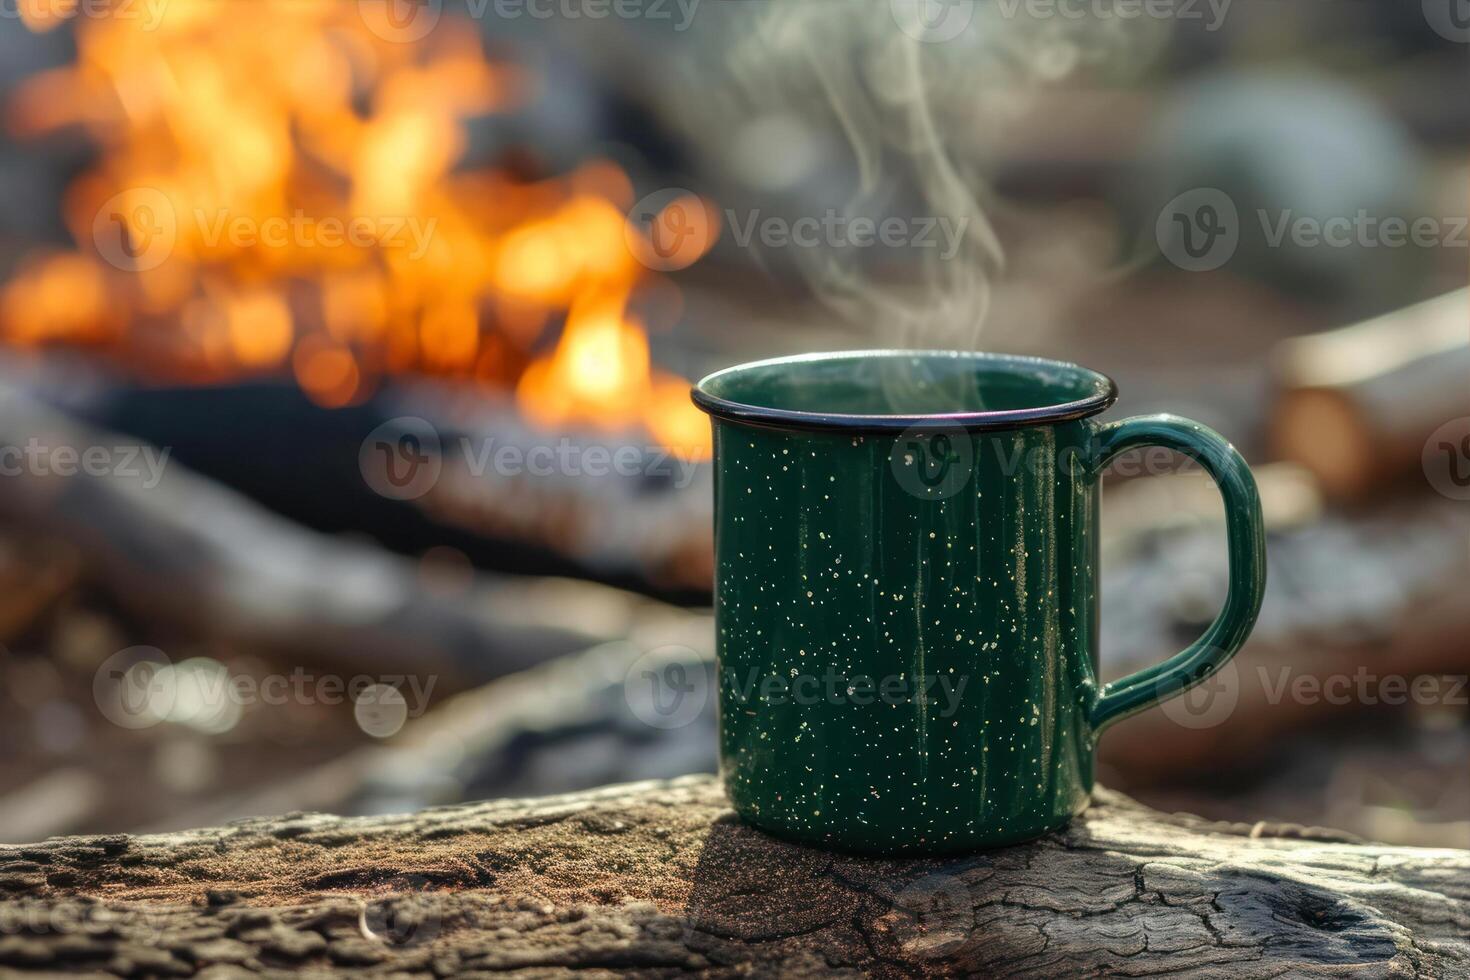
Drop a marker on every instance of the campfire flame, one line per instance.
(276, 191)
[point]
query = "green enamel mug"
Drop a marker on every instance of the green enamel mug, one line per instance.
(906, 592)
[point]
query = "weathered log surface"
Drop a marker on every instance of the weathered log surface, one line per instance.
(659, 878)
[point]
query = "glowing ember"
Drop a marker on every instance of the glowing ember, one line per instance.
(276, 192)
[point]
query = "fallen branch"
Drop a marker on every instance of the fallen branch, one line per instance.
(659, 878)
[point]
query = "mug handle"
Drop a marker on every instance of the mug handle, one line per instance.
(1246, 536)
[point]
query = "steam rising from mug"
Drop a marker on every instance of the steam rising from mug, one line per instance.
(922, 93)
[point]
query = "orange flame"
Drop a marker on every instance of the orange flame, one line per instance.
(278, 189)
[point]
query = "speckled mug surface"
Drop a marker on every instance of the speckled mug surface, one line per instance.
(906, 592)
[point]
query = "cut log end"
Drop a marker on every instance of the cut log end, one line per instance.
(1323, 431)
(659, 878)
(1356, 404)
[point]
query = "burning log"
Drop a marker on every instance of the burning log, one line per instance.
(1357, 404)
(652, 879)
(510, 495)
(617, 507)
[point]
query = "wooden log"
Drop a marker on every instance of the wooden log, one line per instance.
(34, 576)
(1356, 405)
(657, 879)
(574, 722)
(183, 553)
(648, 519)
(1356, 608)
(514, 498)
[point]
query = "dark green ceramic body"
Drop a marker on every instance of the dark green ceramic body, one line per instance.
(906, 593)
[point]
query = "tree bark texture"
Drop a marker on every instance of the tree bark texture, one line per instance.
(660, 878)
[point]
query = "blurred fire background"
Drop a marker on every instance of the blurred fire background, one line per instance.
(294, 244)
